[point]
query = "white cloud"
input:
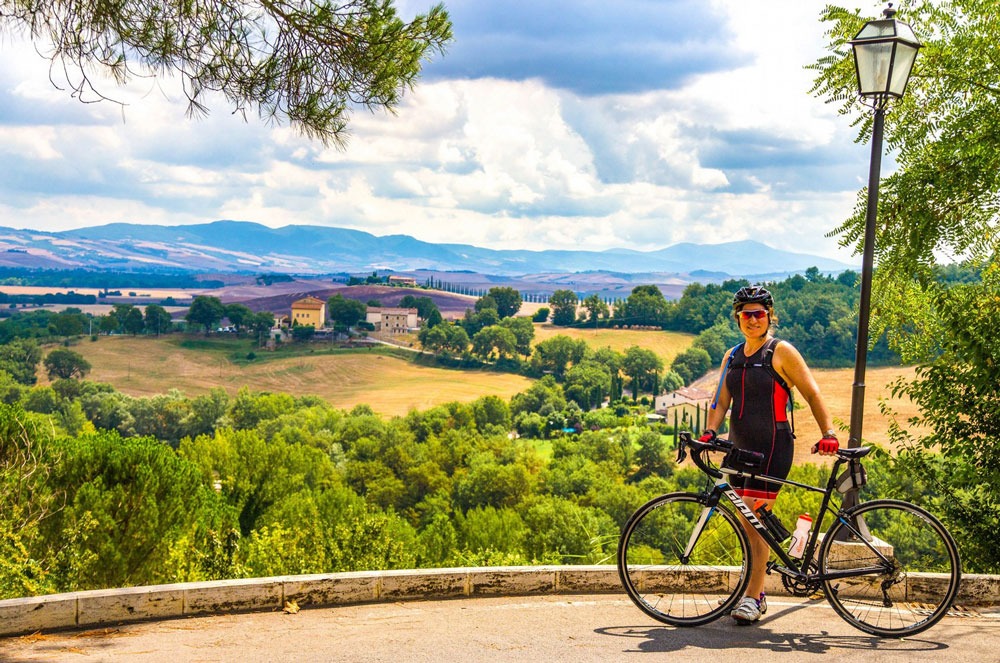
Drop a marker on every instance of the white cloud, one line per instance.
(727, 155)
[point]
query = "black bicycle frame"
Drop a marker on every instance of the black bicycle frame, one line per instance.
(788, 567)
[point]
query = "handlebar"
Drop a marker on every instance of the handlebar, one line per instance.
(686, 439)
(743, 457)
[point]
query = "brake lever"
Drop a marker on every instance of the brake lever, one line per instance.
(682, 441)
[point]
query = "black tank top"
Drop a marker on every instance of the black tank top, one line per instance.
(759, 413)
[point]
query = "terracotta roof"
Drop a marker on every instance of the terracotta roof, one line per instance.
(309, 303)
(385, 310)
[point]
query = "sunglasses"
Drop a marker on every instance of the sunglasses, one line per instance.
(759, 314)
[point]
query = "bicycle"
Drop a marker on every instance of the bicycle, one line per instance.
(888, 567)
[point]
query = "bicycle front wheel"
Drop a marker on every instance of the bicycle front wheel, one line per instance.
(669, 587)
(909, 590)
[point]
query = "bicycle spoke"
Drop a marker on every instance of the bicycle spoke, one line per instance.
(919, 576)
(660, 583)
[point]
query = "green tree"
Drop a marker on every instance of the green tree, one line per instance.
(507, 299)
(596, 309)
(613, 360)
(108, 324)
(494, 343)
(672, 381)
(238, 315)
(206, 311)
(71, 322)
(563, 304)
(953, 446)
(128, 502)
(63, 363)
(260, 324)
(942, 197)
(133, 323)
(27, 498)
(157, 320)
(491, 412)
(347, 312)
(303, 332)
(555, 355)
(488, 528)
(444, 338)
(562, 531)
(545, 394)
(121, 313)
(20, 360)
(643, 368)
(486, 302)
(484, 316)
(308, 64)
(587, 383)
(434, 318)
(691, 364)
(644, 306)
(524, 333)
(653, 456)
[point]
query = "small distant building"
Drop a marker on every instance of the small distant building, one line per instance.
(392, 320)
(402, 280)
(683, 396)
(309, 311)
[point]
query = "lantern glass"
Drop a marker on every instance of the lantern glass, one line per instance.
(884, 53)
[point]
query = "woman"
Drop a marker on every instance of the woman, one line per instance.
(756, 384)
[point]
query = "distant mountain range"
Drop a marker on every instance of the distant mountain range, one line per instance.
(238, 246)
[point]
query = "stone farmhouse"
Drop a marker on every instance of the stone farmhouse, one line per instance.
(392, 320)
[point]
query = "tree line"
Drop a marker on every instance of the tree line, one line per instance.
(103, 490)
(816, 313)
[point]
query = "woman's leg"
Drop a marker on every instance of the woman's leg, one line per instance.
(760, 552)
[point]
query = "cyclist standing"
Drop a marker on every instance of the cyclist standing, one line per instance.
(758, 376)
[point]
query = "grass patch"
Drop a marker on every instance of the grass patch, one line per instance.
(387, 379)
(665, 344)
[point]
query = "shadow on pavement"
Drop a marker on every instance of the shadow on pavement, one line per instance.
(670, 639)
(725, 634)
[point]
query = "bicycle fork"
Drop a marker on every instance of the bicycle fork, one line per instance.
(699, 527)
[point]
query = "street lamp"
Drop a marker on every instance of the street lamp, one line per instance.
(884, 52)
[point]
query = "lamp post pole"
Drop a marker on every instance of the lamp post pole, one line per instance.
(884, 52)
(867, 267)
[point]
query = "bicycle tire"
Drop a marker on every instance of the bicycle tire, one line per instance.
(699, 591)
(915, 593)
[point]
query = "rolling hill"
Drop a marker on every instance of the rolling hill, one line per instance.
(239, 246)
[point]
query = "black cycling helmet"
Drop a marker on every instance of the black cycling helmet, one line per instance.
(753, 294)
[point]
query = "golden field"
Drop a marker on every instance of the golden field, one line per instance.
(665, 344)
(147, 366)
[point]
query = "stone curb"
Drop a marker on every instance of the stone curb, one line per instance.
(115, 606)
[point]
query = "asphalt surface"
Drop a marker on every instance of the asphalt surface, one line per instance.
(537, 628)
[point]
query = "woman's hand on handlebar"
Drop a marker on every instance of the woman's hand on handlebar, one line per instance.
(708, 436)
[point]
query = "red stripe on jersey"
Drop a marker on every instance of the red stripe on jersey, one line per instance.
(780, 398)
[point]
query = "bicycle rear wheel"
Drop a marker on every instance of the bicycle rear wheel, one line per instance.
(694, 591)
(913, 591)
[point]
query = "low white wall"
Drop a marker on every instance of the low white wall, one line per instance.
(113, 606)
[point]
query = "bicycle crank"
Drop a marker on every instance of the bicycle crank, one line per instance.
(802, 585)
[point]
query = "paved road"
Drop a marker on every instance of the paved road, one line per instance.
(522, 629)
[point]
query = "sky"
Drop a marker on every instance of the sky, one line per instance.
(564, 124)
